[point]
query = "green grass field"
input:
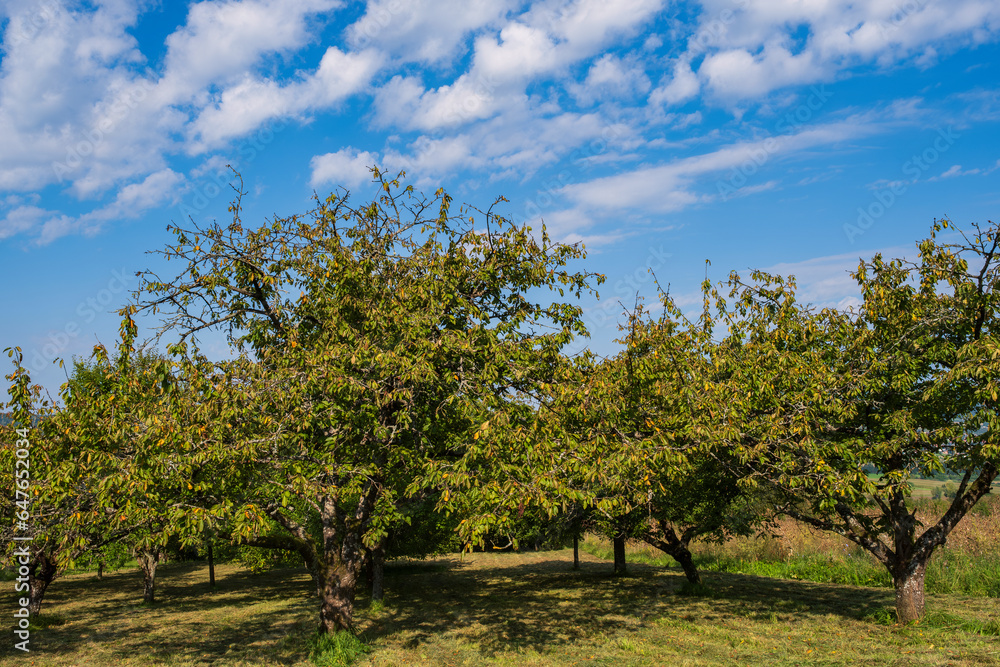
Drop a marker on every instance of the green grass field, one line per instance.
(504, 609)
(924, 488)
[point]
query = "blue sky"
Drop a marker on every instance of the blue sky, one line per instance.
(795, 136)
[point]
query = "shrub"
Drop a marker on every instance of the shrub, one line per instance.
(336, 650)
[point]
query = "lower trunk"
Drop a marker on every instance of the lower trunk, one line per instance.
(619, 546)
(100, 569)
(211, 566)
(338, 564)
(41, 572)
(909, 584)
(687, 564)
(378, 572)
(576, 552)
(336, 611)
(148, 560)
(340, 567)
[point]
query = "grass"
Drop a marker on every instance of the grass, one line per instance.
(336, 650)
(504, 609)
(924, 488)
(968, 564)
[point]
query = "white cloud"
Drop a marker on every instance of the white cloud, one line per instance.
(521, 52)
(611, 78)
(347, 167)
(825, 282)
(62, 74)
(404, 102)
(131, 202)
(427, 31)
(736, 74)
(753, 48)
(21, 219)
(75, 108)
(671, 187)
(79, 108)
(137, 198)
(956, 170)
(682, 86)
(246, 105)
(572, 226)
(517, 144)
(221, 41)
(544, 41)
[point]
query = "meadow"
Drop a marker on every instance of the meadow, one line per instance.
(968, 564)
(532, 608)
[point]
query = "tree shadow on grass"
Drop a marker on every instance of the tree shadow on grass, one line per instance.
(544, 605)
(245, 617)
(500, 603)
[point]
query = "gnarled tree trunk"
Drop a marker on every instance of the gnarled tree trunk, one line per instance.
(343, 557)
(148, 560)
(336, 610)
(41, 571)
(665, 538)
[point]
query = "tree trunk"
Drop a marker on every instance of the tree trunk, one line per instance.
(211, 566)
(619, 546)
(576, 551)
(378, 571)
(343, 558)
(41, 572)
(909, 585)
(148, 560)
(687, 564)
(100, 569)
(336, 611)
(665, 538)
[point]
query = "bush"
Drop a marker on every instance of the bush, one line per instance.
(336, 650)
(259, 560)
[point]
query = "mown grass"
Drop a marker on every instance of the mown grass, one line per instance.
(924, 488)
(505, 609)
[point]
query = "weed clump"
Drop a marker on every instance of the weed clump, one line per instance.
(336, 650)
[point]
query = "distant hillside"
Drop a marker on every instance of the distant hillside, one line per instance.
(8, 418)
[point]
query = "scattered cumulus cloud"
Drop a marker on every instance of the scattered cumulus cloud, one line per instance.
(498, 86)
(347, 167)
